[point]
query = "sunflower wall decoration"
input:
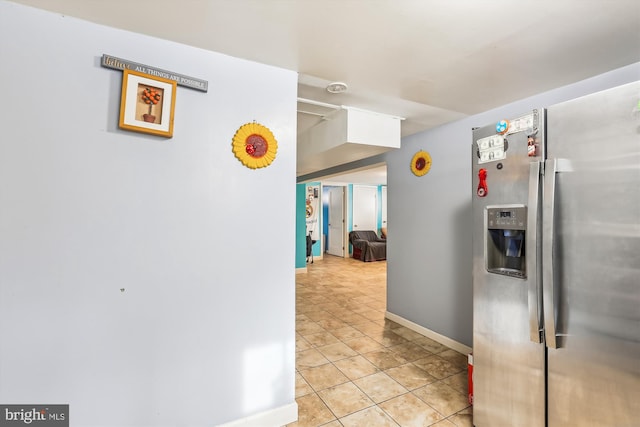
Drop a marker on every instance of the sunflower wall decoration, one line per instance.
(421, 163)
(254, 145)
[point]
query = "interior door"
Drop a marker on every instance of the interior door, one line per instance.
(384, 206)
(336, 221)
(365, 205)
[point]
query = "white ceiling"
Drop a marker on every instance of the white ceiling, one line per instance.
(372, 175)
(428, 61)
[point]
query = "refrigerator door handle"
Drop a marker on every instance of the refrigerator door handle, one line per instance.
(549, 288)
(535, 324)
(548, 247)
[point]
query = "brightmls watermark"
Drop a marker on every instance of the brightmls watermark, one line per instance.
(34, 415)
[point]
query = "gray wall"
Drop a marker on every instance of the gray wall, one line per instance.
(429, 244)
(202, 246)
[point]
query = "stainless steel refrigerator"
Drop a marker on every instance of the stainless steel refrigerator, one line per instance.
(556, 265)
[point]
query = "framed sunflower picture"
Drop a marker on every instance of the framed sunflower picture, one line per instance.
(147, 103)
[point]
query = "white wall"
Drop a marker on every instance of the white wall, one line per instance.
(203, 247)
(429, 246)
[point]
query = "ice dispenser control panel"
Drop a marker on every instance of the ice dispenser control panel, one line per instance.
(505, 240)
(512, 218)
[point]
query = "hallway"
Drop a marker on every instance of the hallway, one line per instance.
(354, 368)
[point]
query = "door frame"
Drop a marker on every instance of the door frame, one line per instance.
(342, 233)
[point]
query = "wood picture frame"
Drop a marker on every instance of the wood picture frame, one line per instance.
(147, 103)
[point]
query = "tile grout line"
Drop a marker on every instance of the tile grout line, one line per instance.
(340, 305)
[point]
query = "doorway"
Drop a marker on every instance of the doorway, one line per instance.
(335, 235)
(383, 211)
(365, 207)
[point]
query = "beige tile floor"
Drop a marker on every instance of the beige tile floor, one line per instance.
(354, 368)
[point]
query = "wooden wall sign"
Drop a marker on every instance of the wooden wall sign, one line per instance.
(182, 80)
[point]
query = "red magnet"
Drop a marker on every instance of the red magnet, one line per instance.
(482, 185)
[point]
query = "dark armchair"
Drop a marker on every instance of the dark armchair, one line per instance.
(367, 246)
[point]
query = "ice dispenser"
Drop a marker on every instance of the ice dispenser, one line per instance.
(505, 234)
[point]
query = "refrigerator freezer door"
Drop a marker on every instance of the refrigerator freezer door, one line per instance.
(508, 376)
(594, 371)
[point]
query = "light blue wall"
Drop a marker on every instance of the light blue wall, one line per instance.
(379, 209)
(325, 214)
(317, 228)
(301, 226)
(143, 280)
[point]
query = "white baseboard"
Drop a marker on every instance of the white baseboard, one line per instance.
(459, 347)
(277, 417)
(301, 270)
